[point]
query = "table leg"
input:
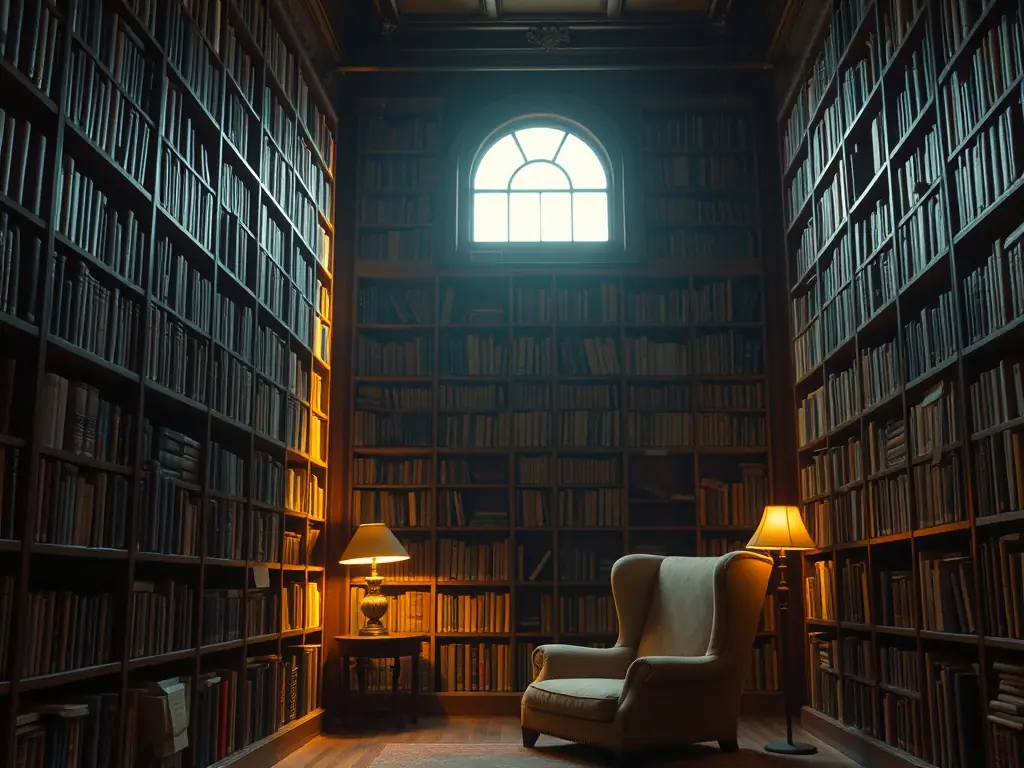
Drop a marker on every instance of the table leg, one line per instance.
(415, 693)
(396, 702)
(346, 693)
(361, 665)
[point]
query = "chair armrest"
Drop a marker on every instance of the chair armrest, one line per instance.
(673, 669)
(567, 661)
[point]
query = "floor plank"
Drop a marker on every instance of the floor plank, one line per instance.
(360, 750)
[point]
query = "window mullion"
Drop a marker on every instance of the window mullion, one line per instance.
(540, 217)
(572, 217)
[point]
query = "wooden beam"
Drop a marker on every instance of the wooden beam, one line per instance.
(680, 66)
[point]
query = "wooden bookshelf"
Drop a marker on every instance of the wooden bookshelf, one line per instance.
(472, 422)
(905, 277)
(167, 261)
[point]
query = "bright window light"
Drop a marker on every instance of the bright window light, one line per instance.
(540, 184)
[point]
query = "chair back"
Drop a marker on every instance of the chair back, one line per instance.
(681, 611)
(702, 605)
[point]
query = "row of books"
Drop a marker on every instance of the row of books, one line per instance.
(540, 396)
(536, 302)
(996, 62)
(29, 41)
(86, 507)
(236, 707)
(419, 132)
(988, 168)
(687, 131)
(666, 174)
(712, 354)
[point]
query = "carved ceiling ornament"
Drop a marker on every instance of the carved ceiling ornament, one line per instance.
(548, 38)
(387, 15)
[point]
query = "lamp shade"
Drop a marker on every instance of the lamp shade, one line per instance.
(781, 528)
(373, 542)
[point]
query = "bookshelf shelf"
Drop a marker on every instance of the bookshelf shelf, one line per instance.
(915, 531)
(95, 398)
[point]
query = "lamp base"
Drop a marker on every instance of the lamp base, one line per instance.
(373, 605)
(790, 748)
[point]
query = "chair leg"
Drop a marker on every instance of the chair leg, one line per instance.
(728, 745)
(530, 738)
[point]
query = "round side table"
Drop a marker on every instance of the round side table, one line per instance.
(394, 646)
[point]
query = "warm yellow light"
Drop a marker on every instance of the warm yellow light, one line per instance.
(373, 542)
(781, 528)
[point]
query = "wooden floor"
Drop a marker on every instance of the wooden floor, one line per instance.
(359, 751)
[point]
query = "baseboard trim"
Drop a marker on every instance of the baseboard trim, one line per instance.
(863, 749)
(269, 751)
(508, 705)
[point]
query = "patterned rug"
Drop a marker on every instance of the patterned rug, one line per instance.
(468, 756)
(563, 756)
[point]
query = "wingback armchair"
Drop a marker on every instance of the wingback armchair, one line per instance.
(675, 676)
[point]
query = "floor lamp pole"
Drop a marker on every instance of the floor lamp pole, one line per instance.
(787, 747)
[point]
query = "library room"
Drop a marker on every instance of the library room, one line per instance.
(511, 383)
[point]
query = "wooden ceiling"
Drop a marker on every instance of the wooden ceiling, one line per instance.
(377, 35)
(565, 9)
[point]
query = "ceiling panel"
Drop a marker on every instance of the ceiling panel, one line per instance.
(497, 34)
(441, 7)
(563, 8)
(555, 7)
(663, 6)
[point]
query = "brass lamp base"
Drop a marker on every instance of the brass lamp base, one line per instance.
(374, 605)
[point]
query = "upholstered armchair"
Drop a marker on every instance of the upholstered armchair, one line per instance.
(675, 676)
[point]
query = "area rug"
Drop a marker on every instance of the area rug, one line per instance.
(412, 755)
(467, 756)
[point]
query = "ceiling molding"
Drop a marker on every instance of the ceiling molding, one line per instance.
(608, 65)
(719, 9)
(782, 30)
(548, 37)
(576, 56)
(377, 30)
(319, 21)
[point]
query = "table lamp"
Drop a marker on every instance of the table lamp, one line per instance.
(782, 529)
(373, 544)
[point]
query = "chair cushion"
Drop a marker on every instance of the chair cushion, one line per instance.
(585, 698)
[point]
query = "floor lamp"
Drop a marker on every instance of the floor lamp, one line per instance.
(782, 530)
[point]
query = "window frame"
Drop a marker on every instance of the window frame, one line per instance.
(511, 190)
(564, 252)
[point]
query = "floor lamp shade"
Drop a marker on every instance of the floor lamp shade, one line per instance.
(782, 529)
(373, 544)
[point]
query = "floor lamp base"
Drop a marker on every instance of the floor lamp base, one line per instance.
(790, 748)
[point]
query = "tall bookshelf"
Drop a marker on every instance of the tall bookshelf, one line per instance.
(167, 260)
(902, 159)
(547, 421)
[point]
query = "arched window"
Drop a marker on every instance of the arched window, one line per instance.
(541, 184)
